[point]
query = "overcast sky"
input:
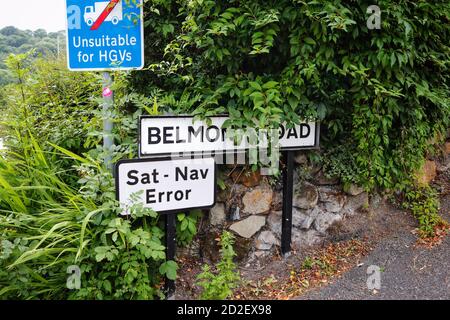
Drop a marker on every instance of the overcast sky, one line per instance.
(33, 14)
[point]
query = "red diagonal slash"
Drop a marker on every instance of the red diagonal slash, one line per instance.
(110, 7)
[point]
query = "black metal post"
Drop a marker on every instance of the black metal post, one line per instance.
(288, 191)
(170, 249)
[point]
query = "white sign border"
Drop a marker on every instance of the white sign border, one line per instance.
(116, 180)
(219, 152)
(118, 68)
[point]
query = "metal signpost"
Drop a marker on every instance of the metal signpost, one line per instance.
(167, 186)
(108, 98)
(105, 36)
(288, 191)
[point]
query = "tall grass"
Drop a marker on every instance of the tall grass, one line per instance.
(43, 224)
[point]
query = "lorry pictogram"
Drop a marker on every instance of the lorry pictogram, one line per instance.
(91, 13)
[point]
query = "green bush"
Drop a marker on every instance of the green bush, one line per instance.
(54, 103)
(424, 204)
(57, 206)
(383, 94)
(219, 285)
(47, 226)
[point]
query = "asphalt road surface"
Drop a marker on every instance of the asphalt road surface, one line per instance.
(407, 272)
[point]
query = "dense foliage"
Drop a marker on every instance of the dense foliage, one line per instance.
(219, 284)
(15, 41)
(57, 201)
(382, 95)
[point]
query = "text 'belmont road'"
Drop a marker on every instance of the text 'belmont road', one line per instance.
(170, 135)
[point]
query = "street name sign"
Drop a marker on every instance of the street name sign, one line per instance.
(169, 135)
(166, 185)
(104, 35)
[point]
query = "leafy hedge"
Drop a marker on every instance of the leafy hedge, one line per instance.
(57, 200)
(381, 95)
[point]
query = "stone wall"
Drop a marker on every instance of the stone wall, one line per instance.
(251, 207)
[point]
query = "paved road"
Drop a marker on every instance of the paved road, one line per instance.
(407, 273)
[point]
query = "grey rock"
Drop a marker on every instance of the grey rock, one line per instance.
(300, 158)
(321, 180)
(235, 213)
(274, 222)
(325, 220)
(249, 226)
(354, 190)
(217, 215)
(306, 197)
(303, 219)
(301, 238)
(277, 201)
(258, 200)
(260, 254)
(266, 240)
(191, 250)
(332, 199)
(376, 200)
(355, 204)
(256, 258)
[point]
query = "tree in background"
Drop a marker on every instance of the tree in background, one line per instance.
(15, 41)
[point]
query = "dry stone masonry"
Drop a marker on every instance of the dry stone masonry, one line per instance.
(253, 212)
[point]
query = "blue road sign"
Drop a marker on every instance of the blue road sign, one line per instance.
(105, 35)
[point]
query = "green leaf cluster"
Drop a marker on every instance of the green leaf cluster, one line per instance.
(219, 284)
(383, 94)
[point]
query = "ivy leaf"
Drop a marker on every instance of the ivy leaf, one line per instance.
(270, 85)
(255, 85)
(107, 286)
(392, 59)
(310, 41)
(169, 269)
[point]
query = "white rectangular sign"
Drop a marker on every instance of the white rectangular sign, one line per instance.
(167, 185)
(168, 135)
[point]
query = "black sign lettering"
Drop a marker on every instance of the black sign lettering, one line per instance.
(134, 179)
(208, 133)
(292, 132)
(195, 133)
(308, 130)
(150, 196)
(167, 134)
(192, 175)
(154, 135)
(183, 174)
(178, 136)
(281, 131)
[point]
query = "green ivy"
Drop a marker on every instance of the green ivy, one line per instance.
(383, 94)
(424, 204)
(219, 284)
